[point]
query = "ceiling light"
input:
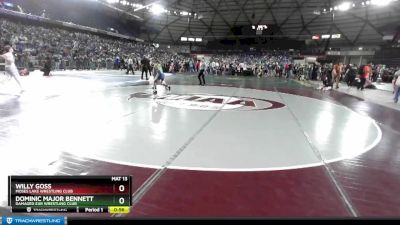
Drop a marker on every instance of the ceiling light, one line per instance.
(325, 36)
(157, 9)
(344, 6)
(380, 2)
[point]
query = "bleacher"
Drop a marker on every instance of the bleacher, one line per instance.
(388, 56)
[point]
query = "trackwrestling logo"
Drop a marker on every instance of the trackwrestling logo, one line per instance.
(212, 102)
(33, 220)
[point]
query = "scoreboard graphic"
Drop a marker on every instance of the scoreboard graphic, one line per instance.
(70, 194)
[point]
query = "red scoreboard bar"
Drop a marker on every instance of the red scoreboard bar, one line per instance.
(70, 194)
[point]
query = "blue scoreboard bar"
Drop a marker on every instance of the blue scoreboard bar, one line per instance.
(25, 220)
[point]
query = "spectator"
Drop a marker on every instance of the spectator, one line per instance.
(396, 86)
(130, 66)
(364, 76)
(47, 67)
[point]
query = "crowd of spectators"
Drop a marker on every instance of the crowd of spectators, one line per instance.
(70, 49)
(34, 45)
(348, 73)
(260, 63)
(74, 50)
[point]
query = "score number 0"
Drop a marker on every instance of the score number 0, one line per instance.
(121, 188)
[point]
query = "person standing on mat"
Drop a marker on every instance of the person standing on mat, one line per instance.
(201, 73)
(364, 76)
(396, 86)
(47, 67)
(337, 73)
(145, 66)
(11, 68)
(130, 66)
(351, 74)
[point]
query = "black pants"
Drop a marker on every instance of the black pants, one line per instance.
(362, 83)
(351, 79)
(130, 68)
(46, 72)
(145, 70)
(201, 77)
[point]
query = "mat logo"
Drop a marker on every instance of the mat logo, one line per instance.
(212, 102)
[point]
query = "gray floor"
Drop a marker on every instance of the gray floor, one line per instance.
(105, 124)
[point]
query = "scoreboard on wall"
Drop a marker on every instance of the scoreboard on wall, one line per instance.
(70, 194)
